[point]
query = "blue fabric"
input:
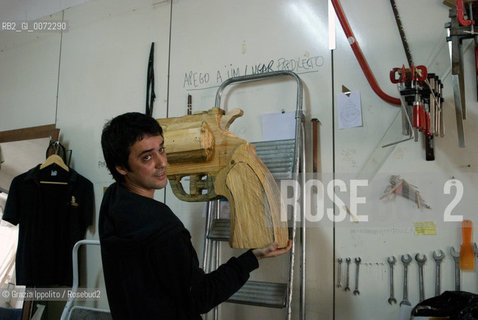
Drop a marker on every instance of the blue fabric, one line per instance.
(10, 314)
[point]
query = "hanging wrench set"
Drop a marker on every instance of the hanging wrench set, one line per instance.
(348, 260)
(421, 260)
(406, 260)
(421, 103)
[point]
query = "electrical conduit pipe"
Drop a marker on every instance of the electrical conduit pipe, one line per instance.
(359, 55)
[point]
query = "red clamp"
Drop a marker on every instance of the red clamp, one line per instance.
(417, 115)
(401, 75)
(421, 75)
(460, 14)
(421, 118)
(427, 129)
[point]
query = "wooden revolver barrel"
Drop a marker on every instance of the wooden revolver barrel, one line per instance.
(191, 143)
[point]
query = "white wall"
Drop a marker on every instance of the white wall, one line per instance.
(102, 71)
(29, 64)
(21, 156)
(390, 230)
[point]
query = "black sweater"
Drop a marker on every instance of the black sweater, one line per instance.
(150, 266)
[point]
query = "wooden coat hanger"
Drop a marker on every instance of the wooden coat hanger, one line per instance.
(54, 159)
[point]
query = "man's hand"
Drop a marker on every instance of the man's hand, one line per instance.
(271, 251)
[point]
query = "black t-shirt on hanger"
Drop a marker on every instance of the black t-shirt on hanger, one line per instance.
(52, 218)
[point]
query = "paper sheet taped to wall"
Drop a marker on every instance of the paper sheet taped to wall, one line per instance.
(278, 126)
(349, 110)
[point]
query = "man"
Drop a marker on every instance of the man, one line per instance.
(151, 268)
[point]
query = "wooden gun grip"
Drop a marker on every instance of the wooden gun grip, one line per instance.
(255, 201)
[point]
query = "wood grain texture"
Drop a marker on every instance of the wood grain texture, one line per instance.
(45, 131)
(194, 144)
(224, 142)
(255, 201)
(218, 163)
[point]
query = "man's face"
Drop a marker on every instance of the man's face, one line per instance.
(147, 166)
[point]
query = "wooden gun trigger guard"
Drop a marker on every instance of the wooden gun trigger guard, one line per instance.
(197, 185)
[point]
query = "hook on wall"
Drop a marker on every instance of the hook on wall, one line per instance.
(55, 147)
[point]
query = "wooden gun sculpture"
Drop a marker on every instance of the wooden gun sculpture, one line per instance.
(219, 163)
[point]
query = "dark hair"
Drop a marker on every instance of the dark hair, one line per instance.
(120, 133)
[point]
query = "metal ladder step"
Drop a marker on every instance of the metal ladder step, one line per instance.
(220, 230)
(258, 293)
(264, 294)
(82, 313)
(278, 156)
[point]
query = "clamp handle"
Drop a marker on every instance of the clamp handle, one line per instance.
(419, 73)
(427, 125)
(401, 75)
(417, 115)
(423, 119)
(460, 14)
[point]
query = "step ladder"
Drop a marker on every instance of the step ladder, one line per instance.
(77, 312)
(285, 159)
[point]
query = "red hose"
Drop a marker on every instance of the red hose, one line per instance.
(359, 55)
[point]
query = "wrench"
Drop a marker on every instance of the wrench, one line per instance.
(438, 258)
(391, 261)
(339, 273)
(357, 264)
(406, 259)
(347, 288)
(421, 261)
(456, 257)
